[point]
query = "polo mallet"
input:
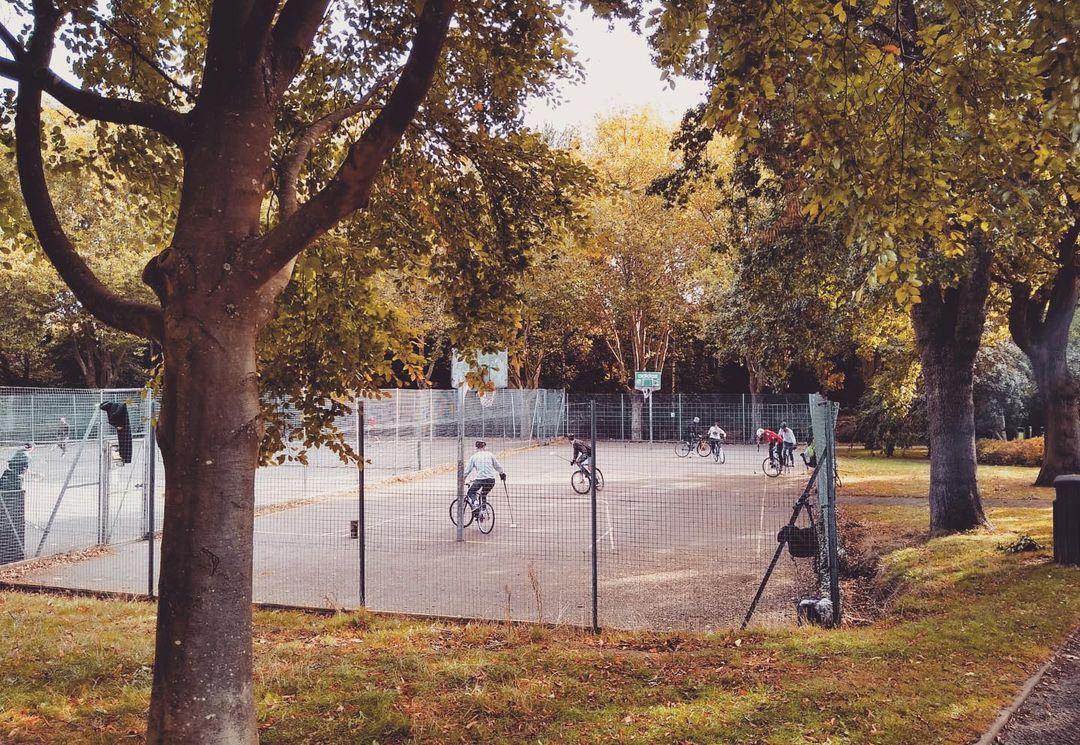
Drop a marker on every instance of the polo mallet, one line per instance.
(508, 506)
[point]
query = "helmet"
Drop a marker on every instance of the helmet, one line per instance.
(783, 425)
(760, 432)
(696, 420)
(480, 444)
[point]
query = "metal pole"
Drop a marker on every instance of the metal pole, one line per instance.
(622, 417)
(103, 474)
(595, 540)
(151, 459)
(33, 430)
(679, 433)
(360, 533)
(463, 391)
(650, 417)
(830, 514)
(397, 426)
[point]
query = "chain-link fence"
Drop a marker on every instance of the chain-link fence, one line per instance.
(677, 534)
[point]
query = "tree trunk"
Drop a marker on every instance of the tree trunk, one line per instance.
(954, 492)
(1061, 399)
(1040, 321)
(637, 406)
(209, 435)
(949, 324)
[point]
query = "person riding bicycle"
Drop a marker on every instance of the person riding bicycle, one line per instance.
(582, 452)
(774, 441)
(486, 466)
(789, 443)
(692, 433)
(716, 437)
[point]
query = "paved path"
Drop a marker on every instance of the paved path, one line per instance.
(1050, 715)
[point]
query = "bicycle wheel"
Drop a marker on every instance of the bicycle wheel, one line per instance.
(580, 481)
(720, 457)
(704, 449)
(485, 518)
(839, 483)
(468, 512)
(682, 449)
(599, 479)
(771, 467)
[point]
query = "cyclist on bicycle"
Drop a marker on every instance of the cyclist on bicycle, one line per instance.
(775, 442)
(692, 433)
(582, 452)
(486, 466)
(716, 437)
(789, 443)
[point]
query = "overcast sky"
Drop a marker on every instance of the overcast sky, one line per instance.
(619, 75)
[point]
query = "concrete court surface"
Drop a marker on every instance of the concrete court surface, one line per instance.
(682, 544)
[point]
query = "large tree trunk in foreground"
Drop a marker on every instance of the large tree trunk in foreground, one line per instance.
(948, 330)
(1039, 321)
(202, 690)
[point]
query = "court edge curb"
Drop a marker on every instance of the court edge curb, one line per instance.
(991, 735)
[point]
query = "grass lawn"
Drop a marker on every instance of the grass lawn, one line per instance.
(966, 623)
(907, 474)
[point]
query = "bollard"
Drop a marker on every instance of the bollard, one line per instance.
(1067, 520)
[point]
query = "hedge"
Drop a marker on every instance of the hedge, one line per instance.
(1010, 453)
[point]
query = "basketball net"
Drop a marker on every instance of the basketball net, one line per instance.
(487, 398)
(647, 392)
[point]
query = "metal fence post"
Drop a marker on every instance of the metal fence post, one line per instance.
(33, 429)
(592, 512)
(679, 403)
(650, 418)
(462, 392)
(830, 513)
(151, 466)
(360, 532)
(622, 417)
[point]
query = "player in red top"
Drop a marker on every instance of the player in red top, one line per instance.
(775, 441)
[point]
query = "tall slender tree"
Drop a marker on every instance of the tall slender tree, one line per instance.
(278, 124)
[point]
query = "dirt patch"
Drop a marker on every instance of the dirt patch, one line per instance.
(867, 590)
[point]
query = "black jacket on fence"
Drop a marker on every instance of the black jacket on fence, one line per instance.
(118, 418)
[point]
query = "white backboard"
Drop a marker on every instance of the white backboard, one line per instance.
(493, 367)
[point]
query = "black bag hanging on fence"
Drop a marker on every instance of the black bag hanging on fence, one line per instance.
(801, 542)
(118, 418)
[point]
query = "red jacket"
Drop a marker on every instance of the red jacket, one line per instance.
(771, 437)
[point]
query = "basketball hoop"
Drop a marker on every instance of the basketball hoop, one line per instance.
(487, 398)
(647, 393)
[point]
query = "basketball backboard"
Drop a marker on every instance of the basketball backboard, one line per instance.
(492, 367)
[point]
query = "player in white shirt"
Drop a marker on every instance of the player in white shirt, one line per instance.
(716, 437)
(789, 443)
(486, 467)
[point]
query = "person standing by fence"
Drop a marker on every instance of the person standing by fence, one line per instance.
(63, 434)
(788, 436)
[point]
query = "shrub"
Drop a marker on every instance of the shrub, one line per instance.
(1010, 453)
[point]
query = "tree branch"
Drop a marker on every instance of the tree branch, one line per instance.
(292, 37)
(137, 318)
(289, 171)
(165, 121)
(351, 185)
(12, 44)
(138, 52)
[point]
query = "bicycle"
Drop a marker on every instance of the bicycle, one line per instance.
(717, 450)
(687, 446)
(475, 508)
(581, 479)
(773, 466)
